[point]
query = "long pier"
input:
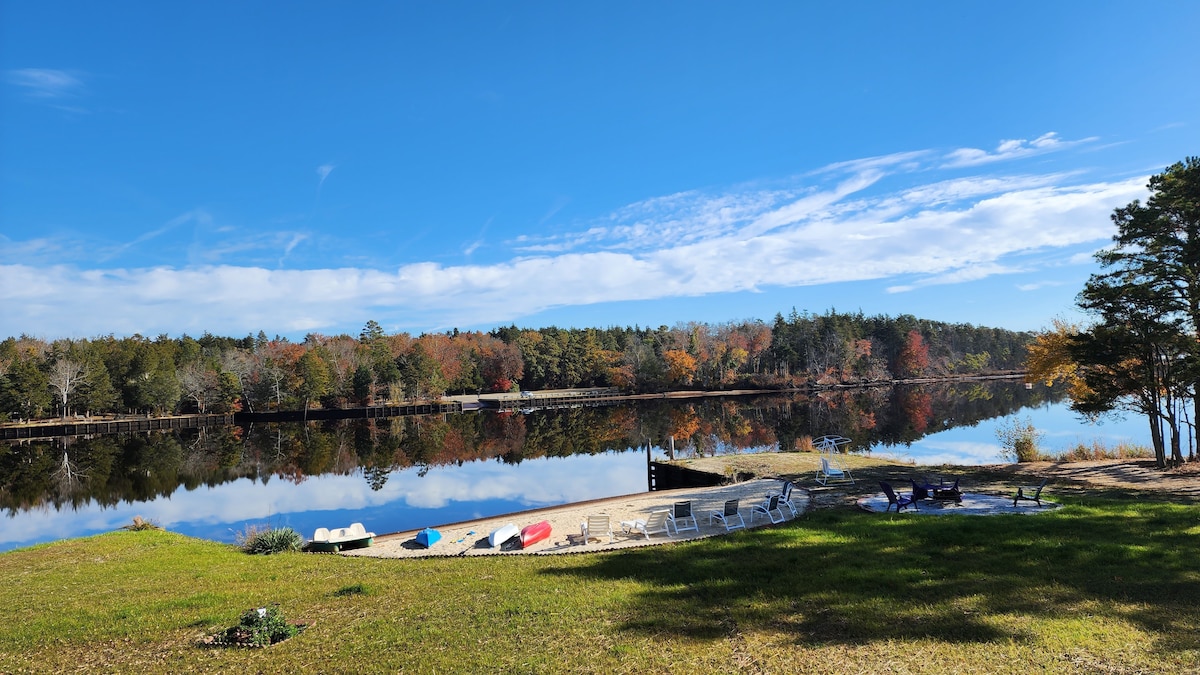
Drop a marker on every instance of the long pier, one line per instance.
(88, 427)
(551, 398)
(367, 412)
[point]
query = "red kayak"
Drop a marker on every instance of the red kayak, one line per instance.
(534, 533)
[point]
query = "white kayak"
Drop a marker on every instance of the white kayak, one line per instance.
(502, 535)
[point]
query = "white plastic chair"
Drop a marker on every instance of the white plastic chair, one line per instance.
(597, 525)
(659, 521)
(768, 508)
(785, 496)
(727, 515)
(681, 513)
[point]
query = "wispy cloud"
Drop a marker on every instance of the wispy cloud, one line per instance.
(961, 275)
(196, 216)
(1009, 150)
(45, 83)
(1038, 285)
(895, 219)
(906, 160)
(475, 245)
(323, 172)
(557, 206)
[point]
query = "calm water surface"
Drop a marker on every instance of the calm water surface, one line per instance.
(411, 473)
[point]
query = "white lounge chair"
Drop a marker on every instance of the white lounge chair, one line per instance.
(597, 525)
(659, 521)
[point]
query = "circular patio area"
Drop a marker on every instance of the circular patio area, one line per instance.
(971, 505)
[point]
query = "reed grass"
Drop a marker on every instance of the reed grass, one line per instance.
(1100, 585)
(1098, 449)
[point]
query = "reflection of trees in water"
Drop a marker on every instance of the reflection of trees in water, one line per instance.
(67, 477)
(112, 469)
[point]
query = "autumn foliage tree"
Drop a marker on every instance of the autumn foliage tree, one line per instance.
(914, 357)
(681, 367)
(1142, 353)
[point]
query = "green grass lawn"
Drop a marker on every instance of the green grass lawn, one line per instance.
(1097, 586)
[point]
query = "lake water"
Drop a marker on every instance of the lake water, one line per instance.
(407, 473)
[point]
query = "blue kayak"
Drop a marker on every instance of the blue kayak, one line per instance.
(428, 537)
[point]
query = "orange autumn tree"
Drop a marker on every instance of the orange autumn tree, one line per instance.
(681, 367)
(914, 356)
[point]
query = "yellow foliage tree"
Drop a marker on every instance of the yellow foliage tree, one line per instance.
(1049, 358)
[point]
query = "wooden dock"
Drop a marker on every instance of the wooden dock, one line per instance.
(551, 398)
(89, 427)
(368, 412)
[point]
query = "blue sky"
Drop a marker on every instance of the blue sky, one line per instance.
(306, 167)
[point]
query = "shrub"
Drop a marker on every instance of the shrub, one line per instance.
(1020, 440)
(265, 540)
(259, 627)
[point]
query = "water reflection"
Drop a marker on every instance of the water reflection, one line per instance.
(1061, 429)
(404, 473)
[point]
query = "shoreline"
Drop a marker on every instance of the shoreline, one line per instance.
(113, 423)
(469, 538)
(771, 470)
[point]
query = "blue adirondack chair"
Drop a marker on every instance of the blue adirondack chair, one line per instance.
(899, 500)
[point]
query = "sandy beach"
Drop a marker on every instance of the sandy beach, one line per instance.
(471, 538)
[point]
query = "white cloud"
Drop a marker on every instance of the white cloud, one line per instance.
(323, 172)
(45, 83)
(1012, 149)
(1038, 286)
(1083, 258)
(957, 276)
(953, 452)
(198, 217)
(854, 227)
(910, 160)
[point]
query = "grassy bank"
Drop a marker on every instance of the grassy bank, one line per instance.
(1101, 585)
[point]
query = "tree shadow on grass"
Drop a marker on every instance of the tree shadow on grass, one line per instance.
(837, 576)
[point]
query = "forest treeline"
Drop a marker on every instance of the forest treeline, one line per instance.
(212, 374)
